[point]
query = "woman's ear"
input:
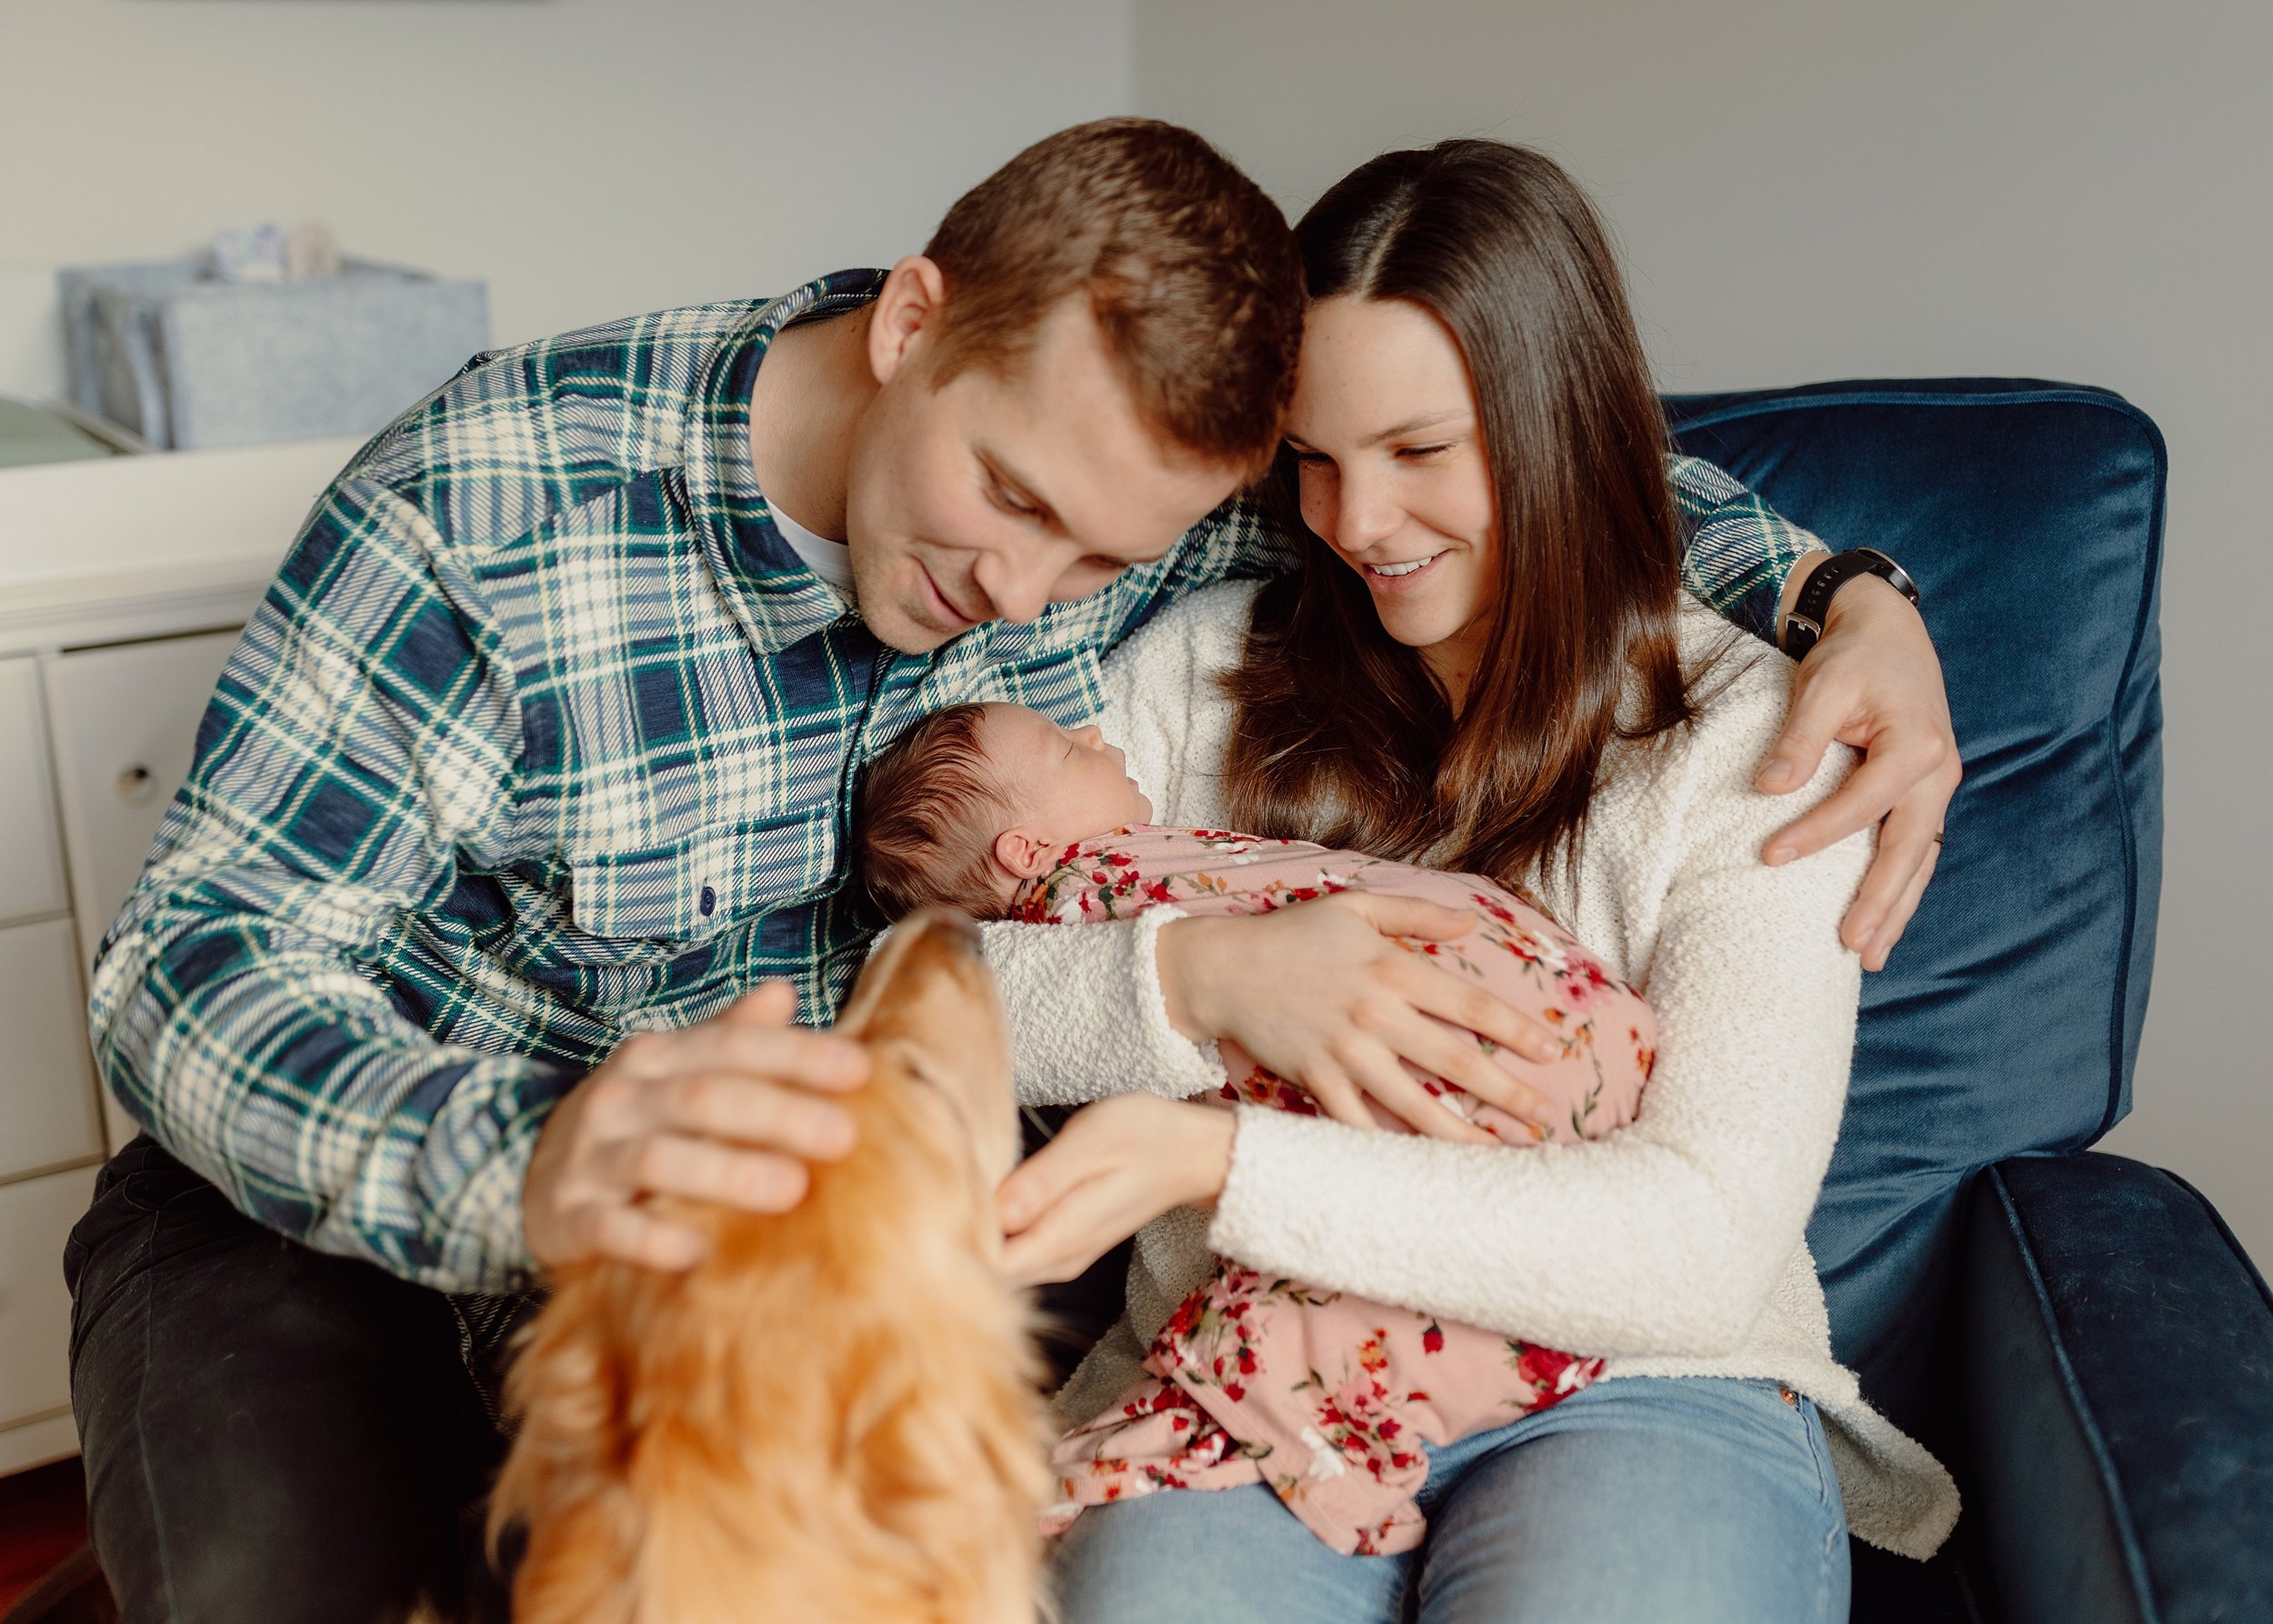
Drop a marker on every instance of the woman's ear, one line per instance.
(1022, 853)
(909, 304)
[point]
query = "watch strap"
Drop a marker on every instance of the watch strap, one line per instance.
(1804, 624)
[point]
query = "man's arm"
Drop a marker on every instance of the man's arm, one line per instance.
(1872, 681)
(1740, 550)
(359, 737)
(364, 734)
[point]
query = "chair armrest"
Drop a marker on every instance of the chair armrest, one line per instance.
(2114, 1375)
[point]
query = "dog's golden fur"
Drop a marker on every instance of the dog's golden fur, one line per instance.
(835, 1416)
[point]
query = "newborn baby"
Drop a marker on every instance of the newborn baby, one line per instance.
(996, 810)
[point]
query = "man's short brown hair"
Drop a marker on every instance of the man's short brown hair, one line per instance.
(1191, 272)
(926, 817)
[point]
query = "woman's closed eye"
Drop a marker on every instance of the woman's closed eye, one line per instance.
(1423, 453)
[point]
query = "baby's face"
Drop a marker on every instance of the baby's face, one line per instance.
(1066, 783)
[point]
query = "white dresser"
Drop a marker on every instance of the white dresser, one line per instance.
(123, 583)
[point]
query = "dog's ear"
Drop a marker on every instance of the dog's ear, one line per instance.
(922, 948)
(926, 1005)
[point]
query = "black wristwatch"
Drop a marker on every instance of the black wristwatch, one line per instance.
(1804, 624)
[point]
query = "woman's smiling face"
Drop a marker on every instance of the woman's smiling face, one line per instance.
(1384, 431)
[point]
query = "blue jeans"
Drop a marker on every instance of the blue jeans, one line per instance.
(1644, 1498)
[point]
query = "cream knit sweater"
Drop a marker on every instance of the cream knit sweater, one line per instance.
(1676, 1247)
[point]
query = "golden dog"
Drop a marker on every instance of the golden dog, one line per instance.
(834, 1418)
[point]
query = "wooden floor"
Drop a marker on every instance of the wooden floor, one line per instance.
(43, 1520)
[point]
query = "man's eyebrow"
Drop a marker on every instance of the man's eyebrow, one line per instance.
(1019, 487)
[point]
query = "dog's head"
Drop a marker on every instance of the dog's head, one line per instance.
(834, 1417)
(926, 1009)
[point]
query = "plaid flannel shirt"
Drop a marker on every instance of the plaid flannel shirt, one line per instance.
(542, 735)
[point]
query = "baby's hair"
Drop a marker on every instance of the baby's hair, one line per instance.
(926, 817)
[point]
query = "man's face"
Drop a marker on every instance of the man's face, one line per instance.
(989, 497)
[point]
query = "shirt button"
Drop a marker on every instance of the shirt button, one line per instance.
(709, 901)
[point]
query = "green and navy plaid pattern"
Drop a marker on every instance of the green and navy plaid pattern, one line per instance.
(544, 736)
(1739, 548)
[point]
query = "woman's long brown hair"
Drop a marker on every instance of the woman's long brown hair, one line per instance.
(1342, 735)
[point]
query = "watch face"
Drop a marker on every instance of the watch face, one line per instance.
(1892, 573)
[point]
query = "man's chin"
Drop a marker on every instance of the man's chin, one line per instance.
(896, 628)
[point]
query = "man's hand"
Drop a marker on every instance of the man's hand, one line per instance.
(1113, 1168)
(729, 1110)
(1872, 681)
(1319, 994)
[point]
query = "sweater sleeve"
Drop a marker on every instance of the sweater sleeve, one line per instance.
(1669, 1236)
(1086, 1015)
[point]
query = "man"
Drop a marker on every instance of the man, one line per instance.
(535, 760)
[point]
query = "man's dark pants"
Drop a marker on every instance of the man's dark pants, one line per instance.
(270, 1432)
(274, 1433)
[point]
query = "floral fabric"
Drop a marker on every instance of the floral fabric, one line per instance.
(1328, 1398)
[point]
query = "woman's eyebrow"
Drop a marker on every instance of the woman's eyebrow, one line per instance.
(1398, 431)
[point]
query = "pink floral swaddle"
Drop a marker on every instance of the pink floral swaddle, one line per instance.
(1324, 1397)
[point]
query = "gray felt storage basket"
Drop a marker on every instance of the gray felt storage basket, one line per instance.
(185, 361)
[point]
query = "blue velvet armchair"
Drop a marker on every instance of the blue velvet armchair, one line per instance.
(2077, 1334)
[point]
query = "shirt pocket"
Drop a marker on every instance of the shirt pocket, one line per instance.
(689, 893)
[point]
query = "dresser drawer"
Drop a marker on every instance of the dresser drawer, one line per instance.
(48, 1111)
(31, 858)
(35, 1217)
(125, 721)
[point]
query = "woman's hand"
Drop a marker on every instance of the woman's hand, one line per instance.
(1319, 994)
(1872, 681)
(1113, 1168)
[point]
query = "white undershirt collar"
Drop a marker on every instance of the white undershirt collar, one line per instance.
(830, 560)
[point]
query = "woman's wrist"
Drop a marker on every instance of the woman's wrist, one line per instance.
(1180, 954)
(1209, 1157)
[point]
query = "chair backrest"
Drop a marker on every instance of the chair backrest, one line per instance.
(2008, 1021)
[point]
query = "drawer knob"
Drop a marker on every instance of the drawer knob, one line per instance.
(137, 786)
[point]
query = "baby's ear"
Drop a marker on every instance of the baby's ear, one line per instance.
(1022, 853)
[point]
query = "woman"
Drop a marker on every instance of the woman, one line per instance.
(1488, 663)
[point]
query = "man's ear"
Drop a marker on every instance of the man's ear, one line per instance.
(907, 307)
(1022, 853)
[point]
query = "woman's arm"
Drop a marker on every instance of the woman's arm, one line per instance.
(1316, 991)
(1670, 1235)
(1086, 1015)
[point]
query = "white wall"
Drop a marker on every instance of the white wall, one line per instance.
(591, 157)
(2075, 189)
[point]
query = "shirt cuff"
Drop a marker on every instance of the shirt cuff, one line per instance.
(1756, 610)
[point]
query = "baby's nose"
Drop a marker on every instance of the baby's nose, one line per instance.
(1091, 737)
